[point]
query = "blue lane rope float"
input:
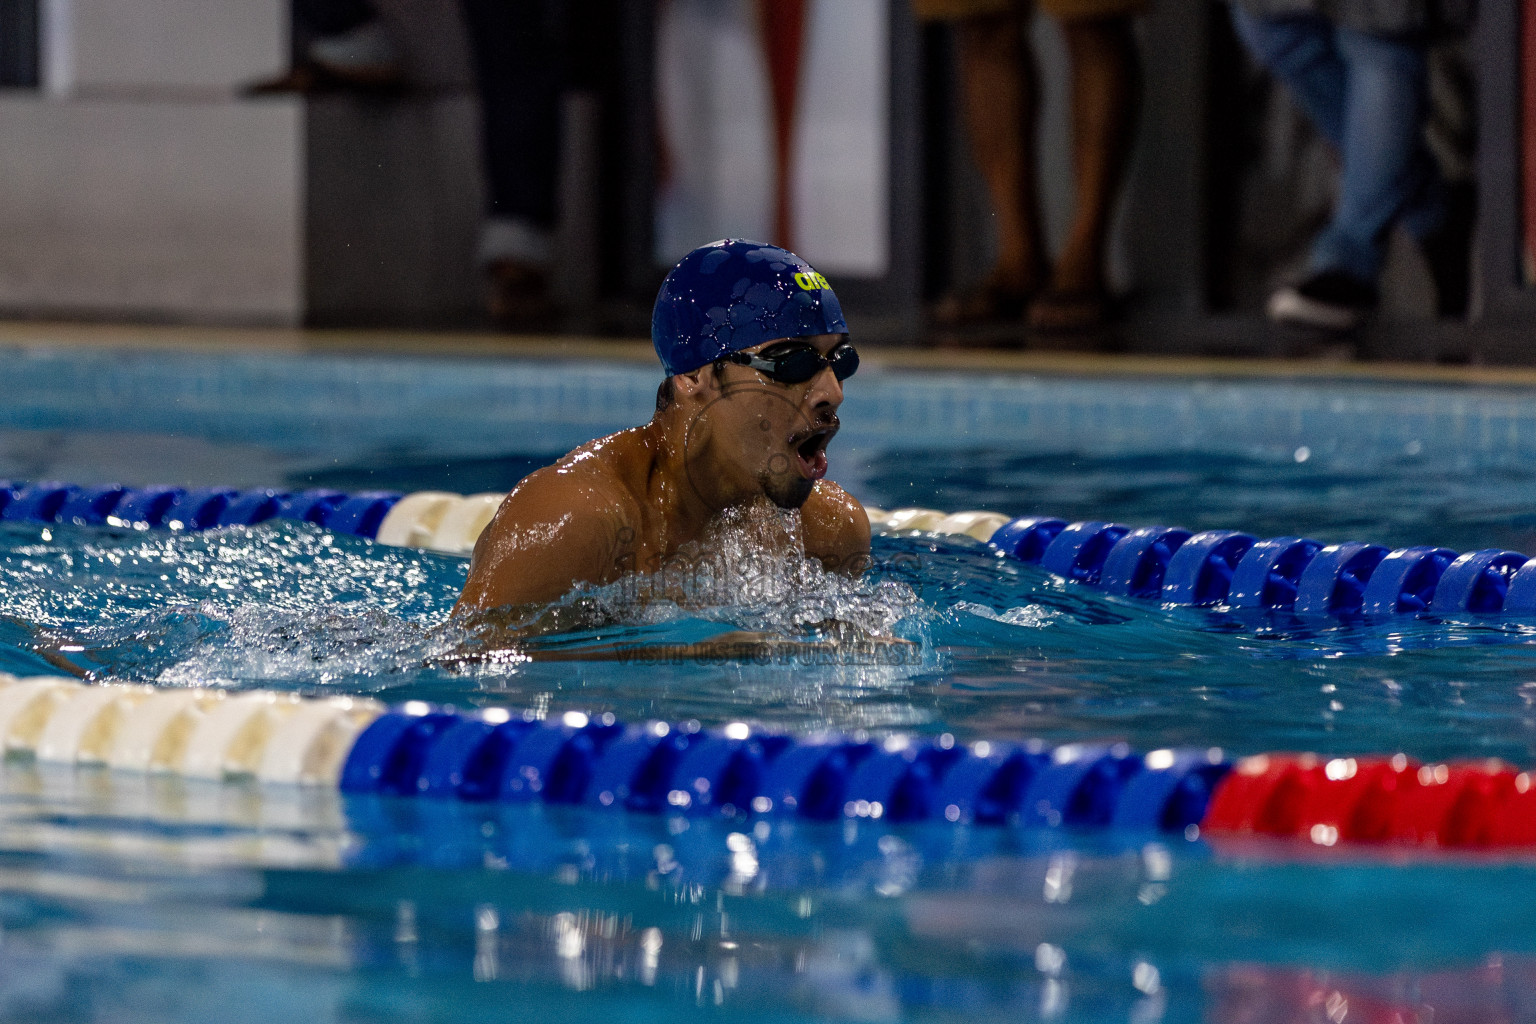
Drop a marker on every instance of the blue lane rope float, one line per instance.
(177, 508)
(495, 755)
(1282, 574)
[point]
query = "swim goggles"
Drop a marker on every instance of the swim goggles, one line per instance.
(798, 362)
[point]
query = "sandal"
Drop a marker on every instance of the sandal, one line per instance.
(1060, 312)
(519, 298)
(989, 302)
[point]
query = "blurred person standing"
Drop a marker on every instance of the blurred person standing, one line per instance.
(998, 90)
(1359, 69)
(518, 52)
(520, 62)
(337, 44)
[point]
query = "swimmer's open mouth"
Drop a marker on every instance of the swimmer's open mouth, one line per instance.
(811, 451)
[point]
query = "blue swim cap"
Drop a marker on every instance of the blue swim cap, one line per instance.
(734, 294)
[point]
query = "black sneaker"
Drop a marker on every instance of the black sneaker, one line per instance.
(1330, 301)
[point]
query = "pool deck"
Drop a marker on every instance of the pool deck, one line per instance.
(486, 345)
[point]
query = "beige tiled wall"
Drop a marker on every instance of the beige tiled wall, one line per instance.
(141, 183)
(144, 45)
(138, 208)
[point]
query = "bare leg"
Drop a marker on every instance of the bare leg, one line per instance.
(998, 97)
(1106, 91)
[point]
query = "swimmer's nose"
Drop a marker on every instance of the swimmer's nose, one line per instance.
(825, 389)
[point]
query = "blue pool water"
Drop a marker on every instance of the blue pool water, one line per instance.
(131, 899)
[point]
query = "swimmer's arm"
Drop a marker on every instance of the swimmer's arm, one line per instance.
(836, 529)
(50, 650)
(552, 532)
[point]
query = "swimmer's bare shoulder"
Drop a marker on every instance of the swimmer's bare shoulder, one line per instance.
(836, 529)
(565, 524)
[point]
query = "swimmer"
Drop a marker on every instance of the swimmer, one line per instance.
(756, 353)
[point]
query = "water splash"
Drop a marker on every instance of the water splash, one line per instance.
(289, 605)
(279, 604)
(750, 570)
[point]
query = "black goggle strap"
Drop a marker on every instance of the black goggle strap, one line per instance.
(801, 363)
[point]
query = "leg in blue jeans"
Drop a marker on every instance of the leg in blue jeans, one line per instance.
(1300, 51)
(1366, 95)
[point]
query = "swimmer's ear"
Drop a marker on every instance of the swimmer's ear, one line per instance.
(695, 381)
(706, 383)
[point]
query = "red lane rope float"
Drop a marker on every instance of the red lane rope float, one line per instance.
(1396, 800)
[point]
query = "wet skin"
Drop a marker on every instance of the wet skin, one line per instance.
(634, 501)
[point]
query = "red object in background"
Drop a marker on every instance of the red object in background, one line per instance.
(1459, 805)
(1242, 797)
(782, 24)
(1489, 993)
(1516, 825)
(1308, 797)
(1349, 799)
(1419, 814)
(1528, 139)
(1394, 800)
(1489, 792)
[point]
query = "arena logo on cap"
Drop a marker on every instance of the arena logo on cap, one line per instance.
(811, 281)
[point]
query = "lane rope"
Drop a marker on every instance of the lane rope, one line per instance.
(418, 749)
(1167, 564)
(429, 751)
